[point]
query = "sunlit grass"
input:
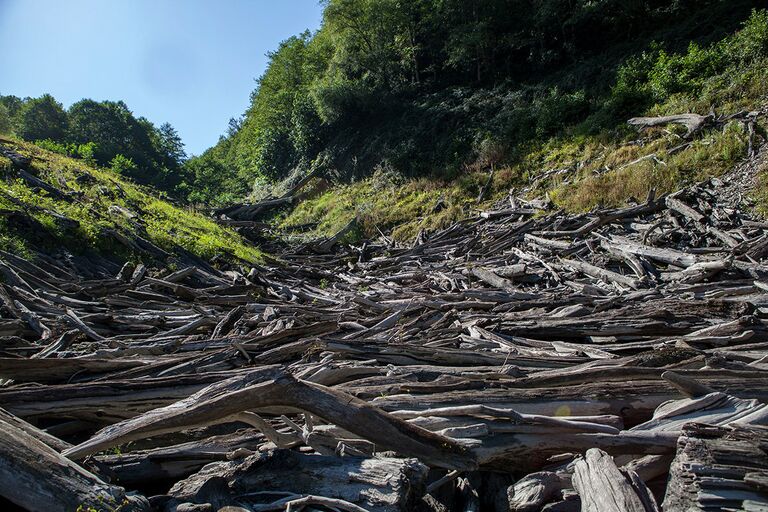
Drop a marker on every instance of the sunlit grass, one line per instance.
(98, 199)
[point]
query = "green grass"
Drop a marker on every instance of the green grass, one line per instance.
(380, 203)
(97, 197)
(713, 154)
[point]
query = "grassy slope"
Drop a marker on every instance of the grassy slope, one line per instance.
(597, 174)
(94, 195)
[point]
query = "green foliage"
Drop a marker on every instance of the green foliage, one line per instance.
(712, 156)
(382, 202)
(157, 152)
(656, 74)
(84, 152)
(6, 124)
(12, 104)
(209, 181)
(11, 242)
(97, 132)
(41, 118)
(122, 165)
(53, 146)
(420, 83)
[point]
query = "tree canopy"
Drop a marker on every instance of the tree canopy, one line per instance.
(425, 84)
(103, 131)
(41, 118)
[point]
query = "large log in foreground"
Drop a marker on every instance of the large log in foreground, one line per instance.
(374, 485)
(34, 476)
(219, 402)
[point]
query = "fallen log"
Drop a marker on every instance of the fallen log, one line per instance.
(283, 477)
(604, 488)
(693, 122)
(34, 476)
(719, 468)
(219, 401)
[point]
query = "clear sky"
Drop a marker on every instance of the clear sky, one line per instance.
(189, 62)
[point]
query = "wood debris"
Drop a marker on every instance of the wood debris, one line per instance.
(519, 360)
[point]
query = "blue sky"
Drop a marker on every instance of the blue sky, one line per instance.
(189, 62)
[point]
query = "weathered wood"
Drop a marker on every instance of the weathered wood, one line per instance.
(498, 343)
(34, 476)
(219, 401)
(603, 488)
(375, 485)
(693, 122)
(532, 492)
(718, 468)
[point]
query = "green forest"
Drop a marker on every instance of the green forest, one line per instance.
(429, 86)
(428, 89)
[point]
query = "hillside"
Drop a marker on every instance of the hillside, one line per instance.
(518, 360)
(574, 170)
(58, 205)
(441, 90)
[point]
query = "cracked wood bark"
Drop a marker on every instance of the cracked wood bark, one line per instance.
(59, 370)
(719, 468)
(105, 401)
(603, 488)
(142, 467)
(377, 485)
(634, 401)
(34, 476)
(601, 273)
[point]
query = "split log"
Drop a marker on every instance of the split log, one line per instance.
(532, 492)
(719, 468)
(177, 461)
(219, 401)
(604, 488)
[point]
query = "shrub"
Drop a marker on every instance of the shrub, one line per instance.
(122, 165)
(751, 43)
(655, 74)
(85, 152)
(52, 146)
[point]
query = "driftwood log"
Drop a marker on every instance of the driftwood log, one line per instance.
(36, 477)
(692, 122)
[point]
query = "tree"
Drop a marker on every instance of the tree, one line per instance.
(5, 119)
(42, 118)
(274, 135)
(209, 181)
(105, 123)
(12, 103)
(116, 131)
(171, 145)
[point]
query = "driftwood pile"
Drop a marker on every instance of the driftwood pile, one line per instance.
(520, 360)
